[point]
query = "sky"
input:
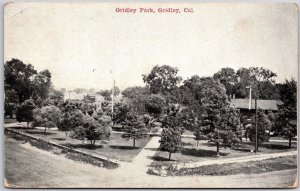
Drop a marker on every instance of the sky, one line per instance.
(87, 45)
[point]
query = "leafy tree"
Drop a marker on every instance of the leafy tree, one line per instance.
(171, 134)
(24, 80)
(48, 116)
(228, 78)
(25, 111)
(209, 114)
(97, 129)
(262, 81)
(18, 77)
(288, 111)
(263, 125)
(41, 86)
(120, 113)
(155, 104)
(162, 79)
(136, 98)
(55, 97)
(136, 91)
(72, 120)
(106, 94)
(134, 128)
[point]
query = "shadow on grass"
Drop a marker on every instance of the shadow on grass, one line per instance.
(123, 147)
(84, 146)
(186, 144)
(159, 158)
(275, 146)
(152, 149)
(59, 139)
(200, 152)
(39, 133)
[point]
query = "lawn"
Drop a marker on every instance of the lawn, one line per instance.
(190, 152)
(253, 167)
(116, 148)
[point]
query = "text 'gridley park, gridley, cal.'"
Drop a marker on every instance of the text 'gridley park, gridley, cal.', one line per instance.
(154, 10)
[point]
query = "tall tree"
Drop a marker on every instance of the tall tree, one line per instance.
(162, 79)
(171, 134)
(18, 77)
(228, 78)
(263, 126)
(288, 111)
(262, 81)
(134, 128)
(136, 98)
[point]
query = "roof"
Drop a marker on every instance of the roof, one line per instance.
(261, 104)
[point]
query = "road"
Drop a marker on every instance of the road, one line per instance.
(27, 166)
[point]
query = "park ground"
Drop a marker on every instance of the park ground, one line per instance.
(28, 166)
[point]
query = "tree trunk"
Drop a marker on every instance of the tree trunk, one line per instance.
(170, 155)
(290, 142)
(218, 148)
(197, 143)
(66, 133)
(27, 124)
(133, 143)
(45, 130)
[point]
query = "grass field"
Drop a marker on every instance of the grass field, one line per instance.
(116, 148)
(190, 152)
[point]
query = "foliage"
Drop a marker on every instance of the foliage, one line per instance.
(106, 94)
(134, 127)
(26, 82)
(25, 111)
(48, 116)
(136, 98)
(171, 134)
(120, 112)
(263, 125)
(18, 77)
(155, 104)
(162, 79)
(261, 80)
(228, 78)
(288, 111)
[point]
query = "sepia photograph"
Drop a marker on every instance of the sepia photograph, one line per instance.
(150, 95)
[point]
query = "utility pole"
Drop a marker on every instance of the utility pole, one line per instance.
(256, 146)
(250, 96)
(112, 100)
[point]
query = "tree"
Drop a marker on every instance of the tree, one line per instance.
(18, 77)
(262, 81)
(48, 116)
(208, 112)
(72, 119)
(171, 134)
(263, 126)
(79, 90)
(41, 86)
(162, 79)
(97, 129)
(288, 111)
(134, 128)
(136, 98)
(155, 104)
(106, 94)
(26, 82)
(25, 111)
(55, 97)
(228, 78)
